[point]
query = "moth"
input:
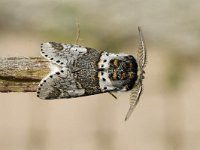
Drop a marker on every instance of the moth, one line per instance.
(78, 71)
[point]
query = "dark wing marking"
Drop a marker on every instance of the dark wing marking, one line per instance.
(64, 55)
(58, 85)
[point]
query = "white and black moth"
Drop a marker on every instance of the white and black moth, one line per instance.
(81, 71)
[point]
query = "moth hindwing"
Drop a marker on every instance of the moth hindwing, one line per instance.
(81, 71)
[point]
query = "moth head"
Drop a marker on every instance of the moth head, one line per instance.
(123, 70)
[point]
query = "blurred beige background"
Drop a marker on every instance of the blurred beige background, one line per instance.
(168, 114)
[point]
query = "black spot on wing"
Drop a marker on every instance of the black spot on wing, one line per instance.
(61, 84)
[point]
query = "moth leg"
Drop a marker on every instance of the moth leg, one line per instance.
(77, 32)
(112, 95)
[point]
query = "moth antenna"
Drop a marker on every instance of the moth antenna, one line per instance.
(134, 99)
(142, 51)
(138, 88)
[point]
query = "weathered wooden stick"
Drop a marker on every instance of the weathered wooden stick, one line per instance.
(22, 74)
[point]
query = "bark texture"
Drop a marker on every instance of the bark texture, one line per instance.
(22, 74)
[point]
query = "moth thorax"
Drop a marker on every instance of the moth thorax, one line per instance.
(117, 72)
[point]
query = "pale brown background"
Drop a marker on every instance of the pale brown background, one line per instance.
(168, 114)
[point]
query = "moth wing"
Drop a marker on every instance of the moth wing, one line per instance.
(58, 85)
(64, 55)
(134, 99)
(142, 51)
